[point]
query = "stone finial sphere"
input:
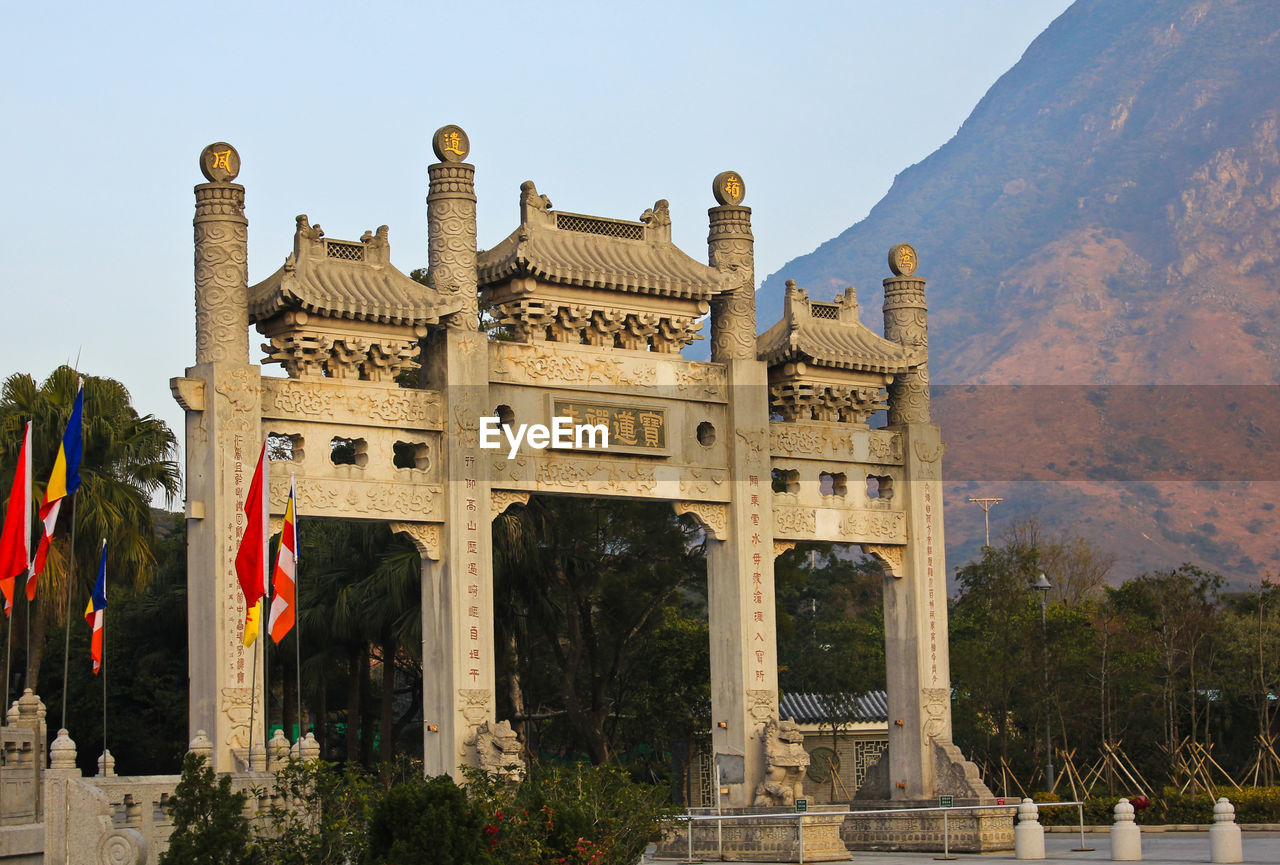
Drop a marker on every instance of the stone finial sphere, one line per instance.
(450, 144)
(903, 259)
(219, 162)
(728, 188)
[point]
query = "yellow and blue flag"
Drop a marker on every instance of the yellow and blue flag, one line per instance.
(64, 480)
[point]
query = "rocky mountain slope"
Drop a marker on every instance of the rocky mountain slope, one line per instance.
(1108, 216)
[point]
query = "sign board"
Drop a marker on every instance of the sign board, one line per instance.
(946, 801)
(733, 769)
(802, 805)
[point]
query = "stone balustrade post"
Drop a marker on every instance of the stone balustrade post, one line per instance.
(309, 748)
(202, 746)
(1028, 835)
(106, 764)
(62, 755)
(277, 751)
(1224, 835)
(1126, 836)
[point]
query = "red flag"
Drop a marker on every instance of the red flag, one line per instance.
(252, 558)
(15, 539)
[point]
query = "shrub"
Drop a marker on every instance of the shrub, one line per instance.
(576, 815)
(426, 822)
(321, 815)
(209, 826)
(1253, 805)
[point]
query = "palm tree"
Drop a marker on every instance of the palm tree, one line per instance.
(128, 459)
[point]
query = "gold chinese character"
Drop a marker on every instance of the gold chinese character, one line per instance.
(732, 186)
(221, 159)
(652, 423)
(625, 422)
(451, 142)
(597, 415)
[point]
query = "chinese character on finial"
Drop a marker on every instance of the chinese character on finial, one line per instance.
(451, 144)
(903, 260)
(219, 163)
(728, 188)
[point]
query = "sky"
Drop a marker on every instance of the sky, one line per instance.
(607, 107)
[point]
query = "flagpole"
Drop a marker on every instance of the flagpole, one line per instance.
(297, 617)
(8, 660)
(253, 708)
(66, 646)
(104, 686)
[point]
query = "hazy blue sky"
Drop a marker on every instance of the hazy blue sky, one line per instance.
(606, 107)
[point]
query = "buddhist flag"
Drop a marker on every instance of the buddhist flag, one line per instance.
(96, 611)
(253, 559)
(64, 480)
(15, 538)
(284, 579)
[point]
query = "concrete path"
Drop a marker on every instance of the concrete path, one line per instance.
(1158, 848)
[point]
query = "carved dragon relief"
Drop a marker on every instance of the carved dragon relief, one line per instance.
(503, 499)
(889, 555)
(712, 517)
(425, 536)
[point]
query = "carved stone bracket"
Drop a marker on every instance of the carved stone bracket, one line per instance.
(503, 499)
(889, 555)
(780, 547)
(425, 536)
(712, 517)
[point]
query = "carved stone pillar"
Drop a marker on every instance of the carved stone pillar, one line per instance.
(222, 274)
(223, 401)
(451, 224)
(458, 645)
(731, 250)
(906, 323)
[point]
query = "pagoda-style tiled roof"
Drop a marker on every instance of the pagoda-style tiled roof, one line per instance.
(349, 280)
(831, 335)
(871, 707)
(595, 252)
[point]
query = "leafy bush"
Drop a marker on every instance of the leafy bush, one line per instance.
(321, 816)
(1253, 805)
(575, 815)
(426, 822)
(209, 826)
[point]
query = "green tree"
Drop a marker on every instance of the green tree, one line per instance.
(585, 587)
(128, 460)
(209, 826)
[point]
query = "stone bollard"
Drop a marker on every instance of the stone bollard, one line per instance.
(1126, 836)
(1028, 835)
(106, 765)
(277, 751)
(258, 758)
(1224, 834)
(62, 753)
(309, 748)
(202, 746)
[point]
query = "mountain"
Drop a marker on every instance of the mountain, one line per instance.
(1108, 216)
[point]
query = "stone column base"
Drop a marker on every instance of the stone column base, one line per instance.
(966, 831)
(766, 839)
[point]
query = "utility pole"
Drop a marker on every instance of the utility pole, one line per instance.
(986, 504)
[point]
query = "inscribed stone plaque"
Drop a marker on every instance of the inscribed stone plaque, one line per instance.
(636, 429)
(733, 769)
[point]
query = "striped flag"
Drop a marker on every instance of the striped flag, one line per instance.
(253, 559)
(15, 538)
(285, 576)
(96, 611)
(64, 480)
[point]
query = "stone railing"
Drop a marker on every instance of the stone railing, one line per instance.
(21, 763)
(124, 820)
